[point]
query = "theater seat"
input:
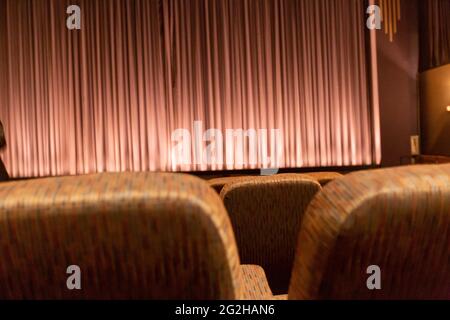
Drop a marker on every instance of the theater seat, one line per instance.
(266, 213)
(324, 177)
(395, 219)
(218, 183)
(133, 236)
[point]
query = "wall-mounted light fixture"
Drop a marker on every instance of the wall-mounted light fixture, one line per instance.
(448, 108)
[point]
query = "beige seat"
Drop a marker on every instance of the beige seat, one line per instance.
(266, 213)
(218, 183)
(134, 236)
(324, 177)
(397, 219)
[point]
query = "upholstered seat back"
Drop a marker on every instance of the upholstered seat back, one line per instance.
(324, 177)
(145, 236)
(218, 183)
(266, 213)
(395, 219)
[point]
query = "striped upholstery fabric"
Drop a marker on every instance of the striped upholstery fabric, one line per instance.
(397, 219)
(134, 236)
(324, 177)
(255, 283)
(266, 213)
(218, 183)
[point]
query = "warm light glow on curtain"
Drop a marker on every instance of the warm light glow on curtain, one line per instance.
(109, 97)
(391, 14)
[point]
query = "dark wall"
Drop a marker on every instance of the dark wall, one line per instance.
(435, 119)
(398, 64)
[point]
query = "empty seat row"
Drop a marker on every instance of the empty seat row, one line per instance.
(138, 236)
(169, 236)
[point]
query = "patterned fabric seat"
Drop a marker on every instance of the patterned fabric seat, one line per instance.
(266, 213)
(397, 219)
(322, 177)
(218, 183)
(133, 236)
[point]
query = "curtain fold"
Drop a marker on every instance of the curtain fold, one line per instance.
(110, 96)
(434, 33)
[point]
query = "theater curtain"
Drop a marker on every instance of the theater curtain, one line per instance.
(110, 96)
(434, 33)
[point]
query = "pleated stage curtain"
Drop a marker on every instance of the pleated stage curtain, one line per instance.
(434, 33)
(113, 95)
